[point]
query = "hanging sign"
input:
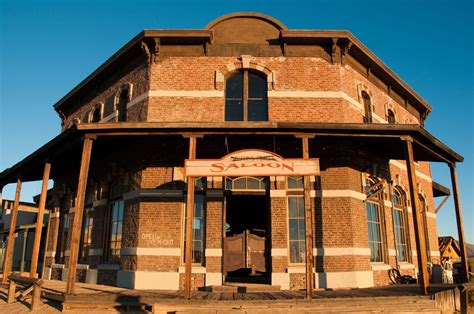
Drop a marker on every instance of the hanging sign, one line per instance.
(251, 162)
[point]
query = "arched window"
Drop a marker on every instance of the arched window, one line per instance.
(425, 225)
(367, 107)
(122, 105)
(245, 183)
(374, 225)
(390, 116)
(96, 115)
(246, 97)
(400, 224)
(115, 225)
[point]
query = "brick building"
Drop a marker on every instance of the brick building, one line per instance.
(245, 101)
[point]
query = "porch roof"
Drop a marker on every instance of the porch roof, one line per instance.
(65, 149)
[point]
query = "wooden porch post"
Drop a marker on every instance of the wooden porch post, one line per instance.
(8, 254)
(308, 226)
(189, 225)
(423, 277)
(39, 221)
(79, 208)
(457, 208)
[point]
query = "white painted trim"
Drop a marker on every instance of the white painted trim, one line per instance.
(380, 266)
(91, 276)
(392, 252)
(58, 266)
(194, 270)
(342, 193)
(55, 215)
(67, 253)
(98, 203)
(277, 193)
(414, 253)
(186, 93)
(213, 279)
(95, 252)
(282, 280)
(341, 251)
(296, 269)
(47, 273)
(435, 254)
(137, 100)
(430, 215)
(142, 251)
(279, 252)
(50, 254)
(148, 280)
(409, 209)
(108, 267)
(399, 165)
(213, 252)
(387, 203)
(346, 279)
(82, 266)
(109, 117)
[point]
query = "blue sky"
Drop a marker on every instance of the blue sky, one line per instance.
(48, 47)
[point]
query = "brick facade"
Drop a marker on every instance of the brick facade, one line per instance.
(306, 87)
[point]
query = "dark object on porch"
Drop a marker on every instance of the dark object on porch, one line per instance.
(397, 278)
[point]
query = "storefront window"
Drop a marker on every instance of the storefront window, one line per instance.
(198, 229)
(296, 226)
(400, 225)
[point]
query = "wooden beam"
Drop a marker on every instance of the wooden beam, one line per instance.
(11, 239)
(39, 221)
(46, 242)
(189, 225)
(308, 225)
(423, 278)
(77, 221)
(457, 208)
(441, 204)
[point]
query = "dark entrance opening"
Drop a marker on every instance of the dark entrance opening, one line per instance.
(247, 242)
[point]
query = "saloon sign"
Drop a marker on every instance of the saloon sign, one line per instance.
(251, 162)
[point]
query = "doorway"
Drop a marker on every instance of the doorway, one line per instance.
(247, 238)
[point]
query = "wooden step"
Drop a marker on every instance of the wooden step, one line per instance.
(245, 288)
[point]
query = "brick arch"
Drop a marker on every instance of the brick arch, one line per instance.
(244, 63)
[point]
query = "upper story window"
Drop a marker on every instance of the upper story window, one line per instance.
(96, 114)
(367, 107)
(122, 105)
(390, 116)
(246, 97)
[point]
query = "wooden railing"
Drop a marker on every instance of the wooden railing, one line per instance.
(30, 285)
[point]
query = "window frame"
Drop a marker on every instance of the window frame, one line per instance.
(245, 94)
(377, 200)
(367, 101)
(200, 193)
(302, 242)
(112, 201)
(400, 208)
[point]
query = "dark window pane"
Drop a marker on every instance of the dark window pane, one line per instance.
(257, 86)
(257, 110)
(293, 229)
(234, 110)
(234, 86)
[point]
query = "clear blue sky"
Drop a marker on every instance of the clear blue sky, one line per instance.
(48, 47)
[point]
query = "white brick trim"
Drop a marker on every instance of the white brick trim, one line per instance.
(404, 265)
(279, 252)
(342, 193)
(142, 251)
(194, 270)
(148, 280)
(50, 254)
(277, 193)
(399, 165)
(380, 266)
(392, 252)
(213, 252)
(281, 279)
(341, 251)
(430, 215)
(435, 254)
(345, 279)
(213, 279)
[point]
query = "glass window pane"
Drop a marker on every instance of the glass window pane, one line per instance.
(257, 86)
(234, 86)
(293, 226)
(257, 110)
(234, 110)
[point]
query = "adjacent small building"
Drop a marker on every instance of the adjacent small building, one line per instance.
(305, 159)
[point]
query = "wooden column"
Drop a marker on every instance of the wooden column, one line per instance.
(423, 277)
(189, 225)
(8, 254)
(77, 222)
(39, 221)
(457, 208)
(308, 225)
